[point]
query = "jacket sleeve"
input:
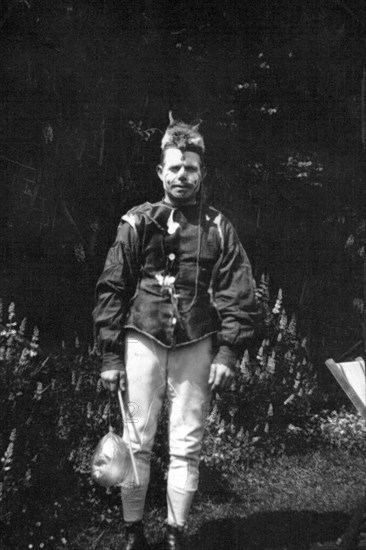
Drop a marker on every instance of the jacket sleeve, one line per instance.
(114, 291)
(234, 295)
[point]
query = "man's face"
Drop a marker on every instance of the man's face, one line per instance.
(181, 174)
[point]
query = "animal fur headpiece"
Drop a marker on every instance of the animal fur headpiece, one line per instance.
(185, 137)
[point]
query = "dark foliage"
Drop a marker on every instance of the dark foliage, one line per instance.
(85, 91)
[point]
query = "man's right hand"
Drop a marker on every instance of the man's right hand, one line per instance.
(114, 379)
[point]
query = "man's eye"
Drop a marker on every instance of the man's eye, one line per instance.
(191, 169)
(175, 169)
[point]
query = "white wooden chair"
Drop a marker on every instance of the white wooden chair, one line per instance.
(351, 376)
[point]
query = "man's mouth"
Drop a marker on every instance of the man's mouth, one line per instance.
(180, 186)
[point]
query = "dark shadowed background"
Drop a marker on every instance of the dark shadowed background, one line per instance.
(85, 91)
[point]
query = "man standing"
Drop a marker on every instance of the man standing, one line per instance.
(175, 307)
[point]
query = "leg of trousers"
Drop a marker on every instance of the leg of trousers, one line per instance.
(183, 374)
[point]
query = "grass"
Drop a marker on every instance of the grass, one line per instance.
(283, 503)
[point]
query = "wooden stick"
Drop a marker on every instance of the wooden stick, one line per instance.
(125, 422)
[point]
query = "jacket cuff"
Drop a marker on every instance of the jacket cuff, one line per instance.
(112, 361)
(227, 355)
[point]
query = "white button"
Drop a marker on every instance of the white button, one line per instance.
(171, 257)
(174, 321)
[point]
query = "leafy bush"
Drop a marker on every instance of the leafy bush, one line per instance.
(270, 406)
(54, 411)
(344, 429)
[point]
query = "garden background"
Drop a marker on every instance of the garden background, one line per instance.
(85, 91)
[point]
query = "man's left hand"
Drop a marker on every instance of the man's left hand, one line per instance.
(221, 377)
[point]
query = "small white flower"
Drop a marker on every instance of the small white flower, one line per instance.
(166, 281)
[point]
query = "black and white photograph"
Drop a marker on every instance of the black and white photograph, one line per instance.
(182, 275)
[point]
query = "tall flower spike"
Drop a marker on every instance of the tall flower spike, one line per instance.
(23, 360)
(271, 363)
(292, 325)
(260, 354)
(23, 324)
(34, 342)
(244, 366)
(278, 304)
(11, 312)
(265, 283)
(283, 320)
(262, 291)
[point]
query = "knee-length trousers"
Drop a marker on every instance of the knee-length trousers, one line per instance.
(182, 374)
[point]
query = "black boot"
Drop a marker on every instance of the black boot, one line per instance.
(135, 538)
(174, 538)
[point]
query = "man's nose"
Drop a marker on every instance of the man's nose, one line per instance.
(182, 172)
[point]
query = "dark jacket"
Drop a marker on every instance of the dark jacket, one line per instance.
(176, 275)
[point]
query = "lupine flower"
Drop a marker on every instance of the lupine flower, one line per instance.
(22, 327)
(262, 291)
(297, 381)
(11, 312)
(244, 365)
(260, 354)
(271, 363)
(292, 325)
(278, 304)
(106, 412)
(39, 390)
(23, 360)
(283, 320)
(34, 343)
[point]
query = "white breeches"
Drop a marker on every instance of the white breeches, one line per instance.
(182, 374)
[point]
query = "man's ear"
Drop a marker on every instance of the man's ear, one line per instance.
(204, 173)
(159, 171)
